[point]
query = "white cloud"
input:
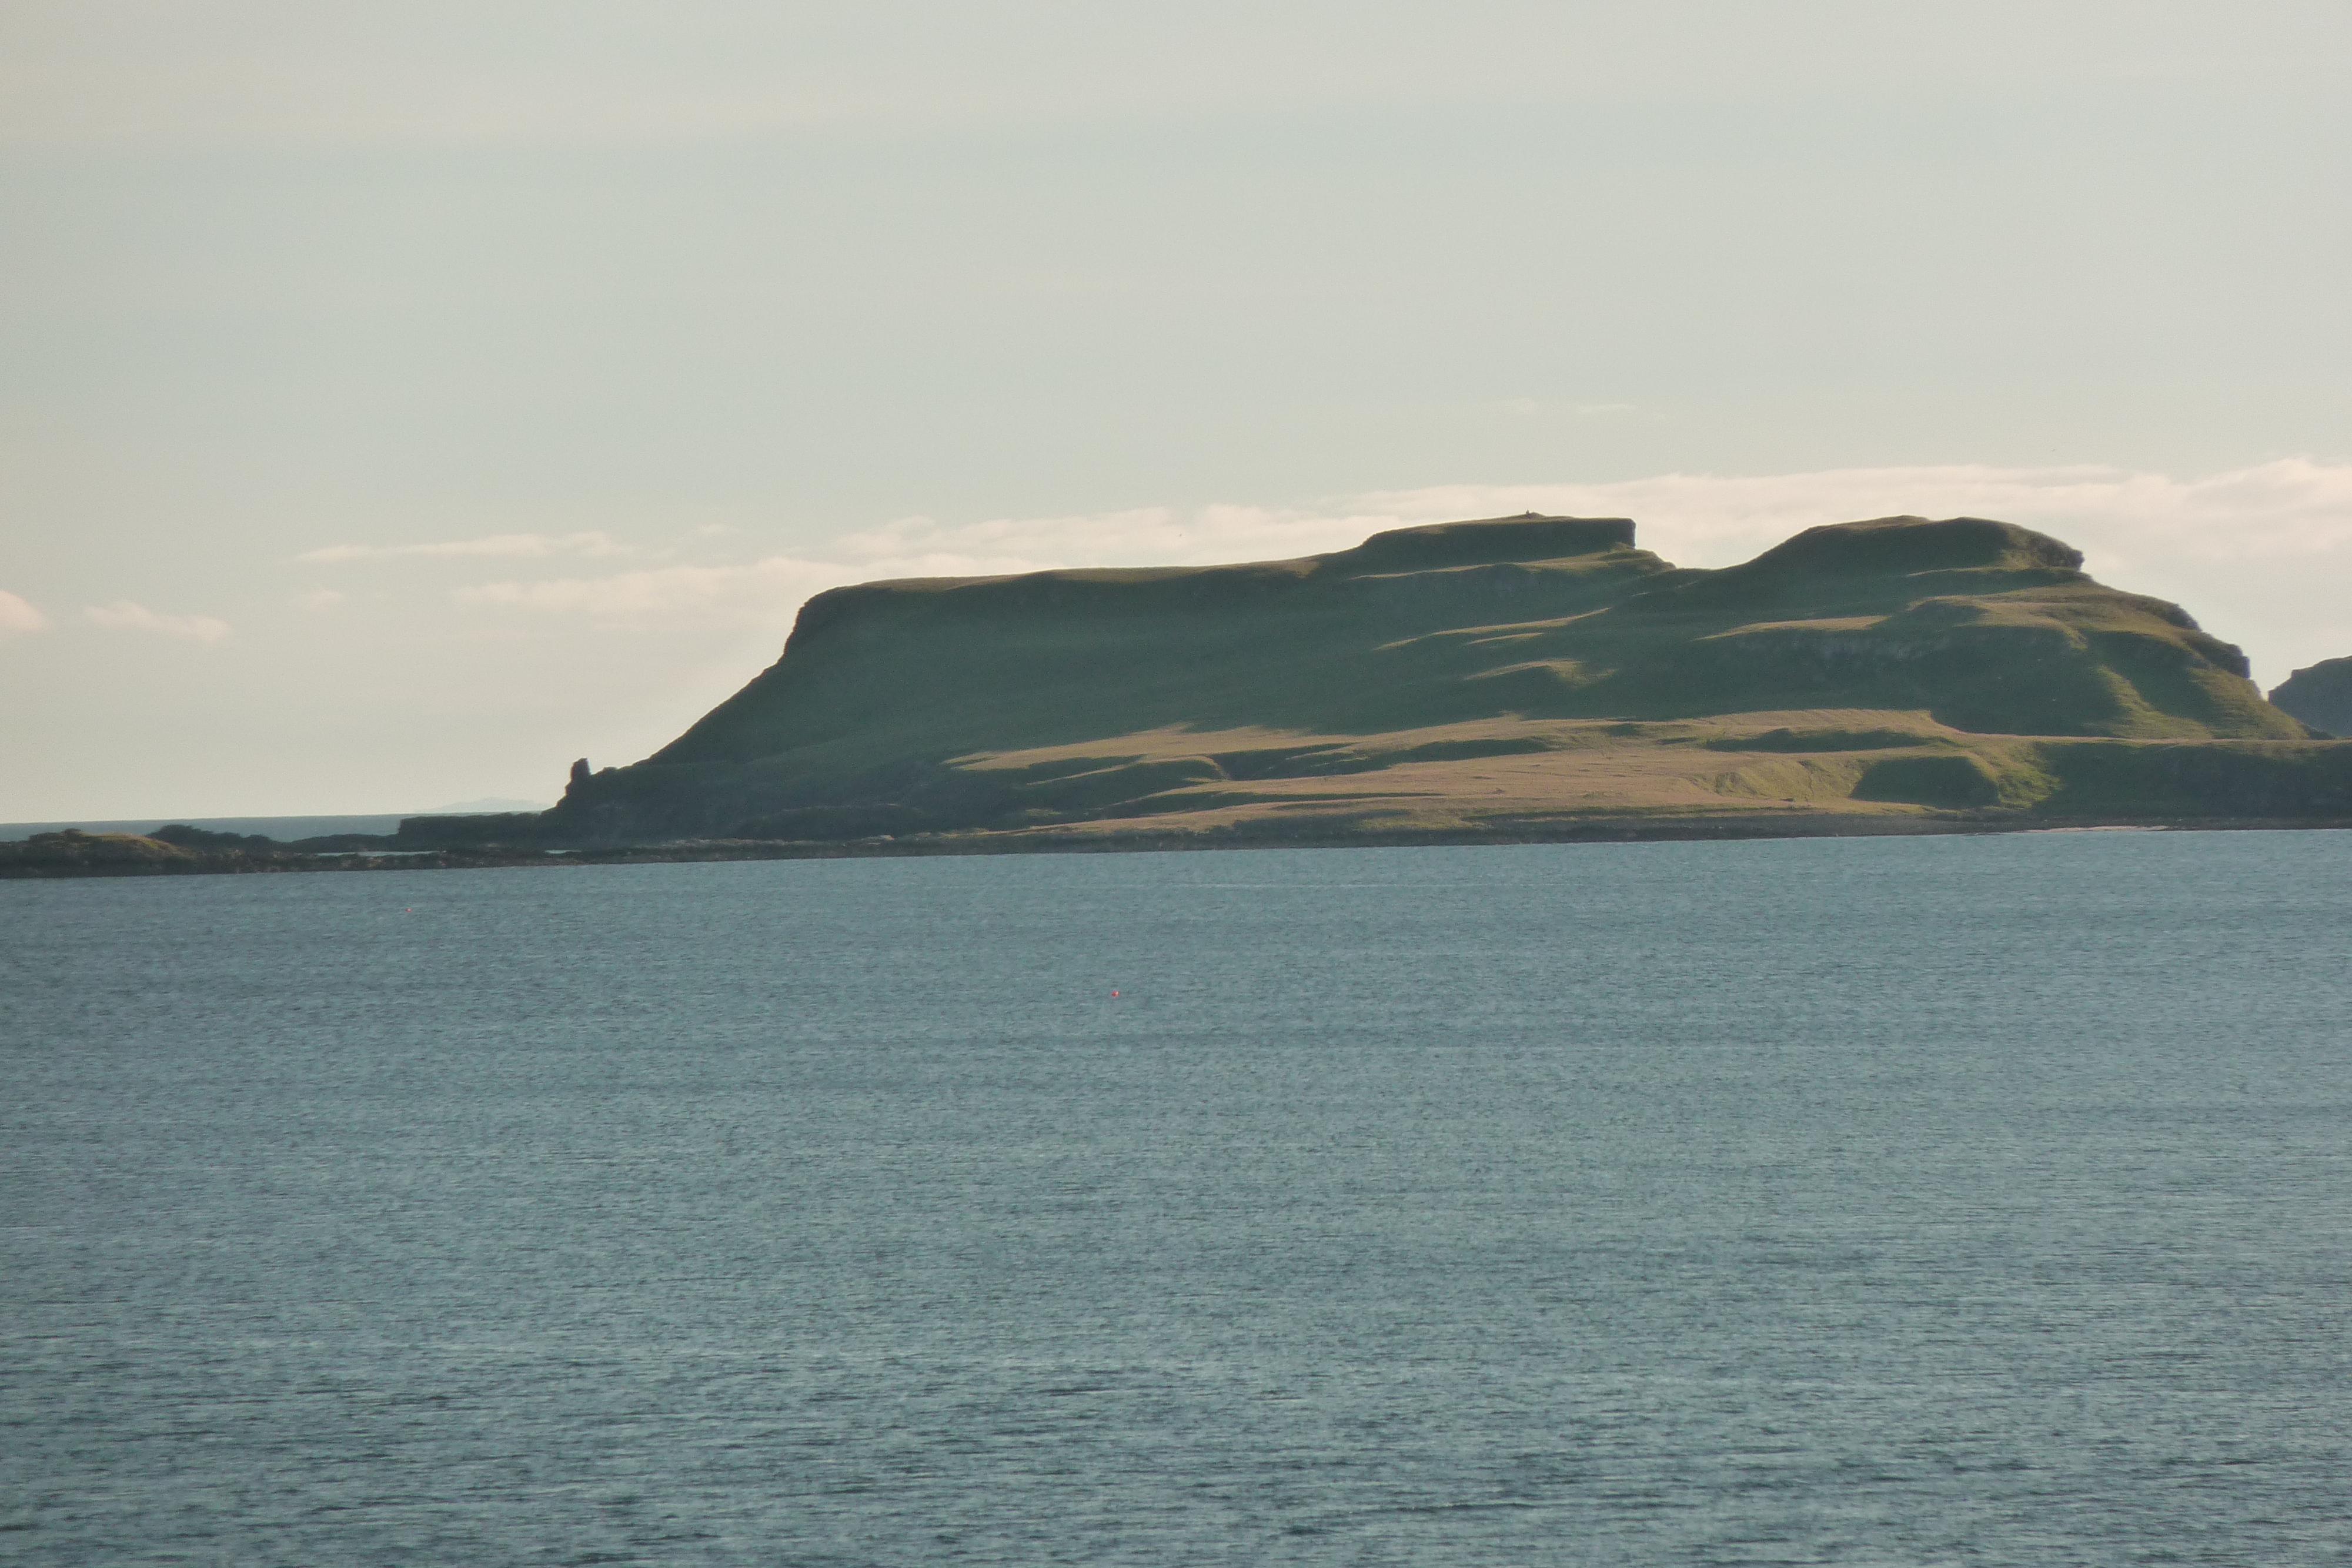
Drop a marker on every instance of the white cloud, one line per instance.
(126, 615)
(319, 600)
(18, 616)
(757, 591)
(512, 545)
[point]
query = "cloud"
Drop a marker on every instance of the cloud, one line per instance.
(757, 591)
(19, 616)
(126, 615)
(319, 600)
(513, 546)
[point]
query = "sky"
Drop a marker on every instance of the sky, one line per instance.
(397, 402)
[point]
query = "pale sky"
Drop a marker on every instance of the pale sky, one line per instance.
(402, 401)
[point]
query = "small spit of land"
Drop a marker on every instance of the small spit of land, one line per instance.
(1504, 680)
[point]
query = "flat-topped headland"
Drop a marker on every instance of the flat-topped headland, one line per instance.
(1517, 675)
(1500, 679)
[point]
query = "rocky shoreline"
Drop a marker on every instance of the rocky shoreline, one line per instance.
(76, 854)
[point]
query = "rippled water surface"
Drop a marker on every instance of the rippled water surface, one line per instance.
(1948, 1200)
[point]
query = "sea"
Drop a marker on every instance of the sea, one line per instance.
(1964, 1200)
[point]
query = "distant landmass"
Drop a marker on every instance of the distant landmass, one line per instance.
(284, 829)
(1529, 677)
(1499, 676)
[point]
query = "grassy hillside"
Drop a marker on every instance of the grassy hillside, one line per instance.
(2320, 696)
(1503, 670)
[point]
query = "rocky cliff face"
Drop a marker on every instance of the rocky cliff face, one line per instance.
(2320, 696)
(907, 706)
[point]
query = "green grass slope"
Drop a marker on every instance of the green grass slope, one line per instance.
(1391, 682)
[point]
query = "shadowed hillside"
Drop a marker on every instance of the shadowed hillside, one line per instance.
(2320, 696)
(1476, 673)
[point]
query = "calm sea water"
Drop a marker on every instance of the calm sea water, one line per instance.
(1933, 1201)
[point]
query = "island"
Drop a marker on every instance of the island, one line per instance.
(1531, 676)
(1497, 680)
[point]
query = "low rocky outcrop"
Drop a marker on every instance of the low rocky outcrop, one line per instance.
(176, 849)
(74, 852)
